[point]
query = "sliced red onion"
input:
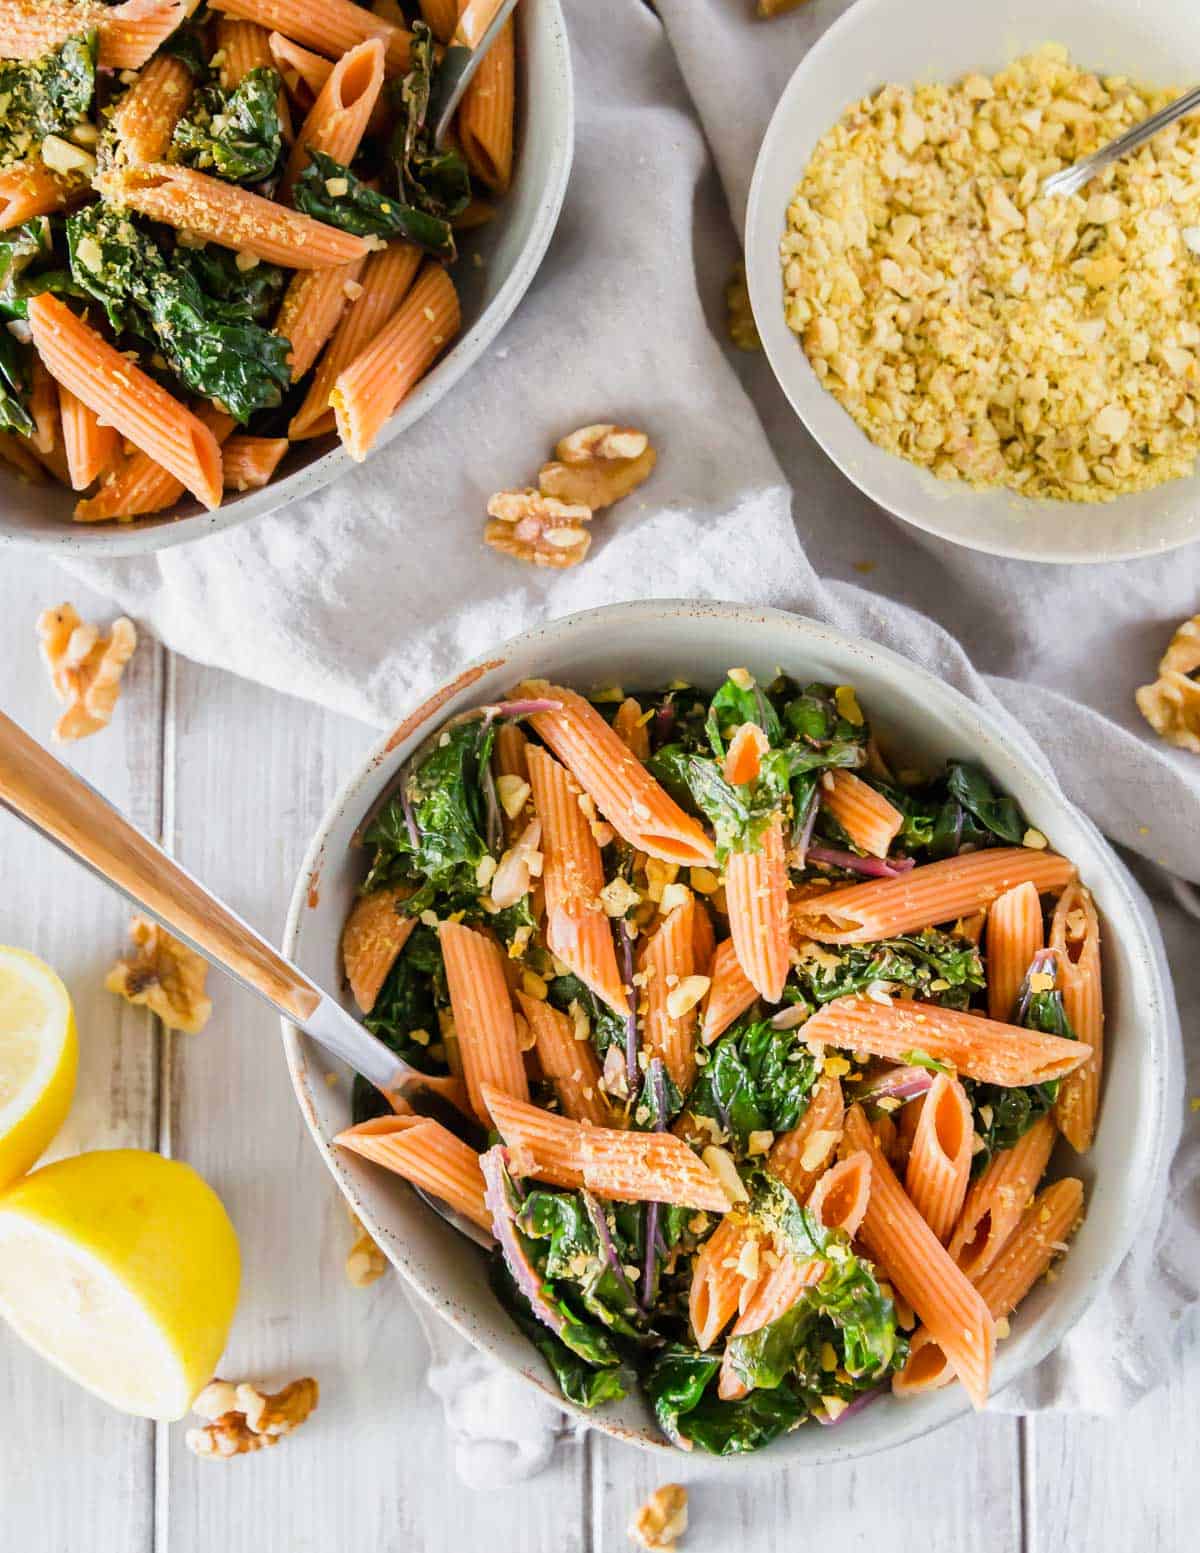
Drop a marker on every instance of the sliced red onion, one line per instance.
(869, 867)
(614, 1077)
(664, 724)
(791, 1016)
(608, 1250)
(410, 819)
(804, 826)
(896, 1084)
(851, 1408)
(494, 1165)
(1044, 963)
(633, 1074)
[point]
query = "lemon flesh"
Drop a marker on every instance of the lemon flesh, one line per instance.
(122, 1269)
(39, 1055)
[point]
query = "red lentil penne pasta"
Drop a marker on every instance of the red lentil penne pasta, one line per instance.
(926, 896)
(800, 1156)
(311, 308)
(368, 390)
(242, 47)
(540, 1143)
(1075, 933)
(667, 974)
(251, 461)
(441, 16)
(485, 115)
(129, 33)
(756, 893)
(1041, 1235)
(773, 1295)
(570, 1064)
(743, 758)
(908, 1118)
(338, 118)
(649, 1167)
(918, 1265)
(90, 446)
(298, 66)
(1014, 936)
(233, 217)
(137, 485)
(866, 816)
(577, 929)
(629, 798)
(995, 1201)
(718, 1284)
(730, 993)
(975, 1047)
(704, 942)
(146, 116)
(427, 1154)
(483, 1014)
(839, 1199)
(376, 931)
(140, 410)
(632, 729)
(332, 27)
(31, 189)
(939, 1162)
(384, 282)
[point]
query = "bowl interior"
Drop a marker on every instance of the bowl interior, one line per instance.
(511, 247)
(918, 716)
(914, 41)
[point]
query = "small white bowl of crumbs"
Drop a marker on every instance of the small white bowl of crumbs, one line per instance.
(1014, 373)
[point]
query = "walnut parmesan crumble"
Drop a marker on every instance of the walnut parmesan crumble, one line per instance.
(1046, 345)
(660, 1523)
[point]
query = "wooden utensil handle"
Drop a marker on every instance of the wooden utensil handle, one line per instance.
(62, 806)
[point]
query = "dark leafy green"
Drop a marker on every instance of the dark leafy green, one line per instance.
(565, 1223)
(938, 967)
(756, 1079)
(233, 133)
(960, 809)
(995, 811)
(433, 181)
(16, 380)
(187, 44)
(45, 96)
(30, 266)
(608, 1028)
(580, 1382)
(255, 293)
(680, 1385)
(331, 193)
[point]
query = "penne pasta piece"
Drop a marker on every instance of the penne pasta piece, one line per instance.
(666, 968)
(233, 217)
(577, 929)
(995, 1201)
(1014, 936)
(242, 47)
(743, 759)
(146, 116)
(540, 1143)
(31, 189)
(249, 462)
(631, 728)
(312, 305)
(376, 931)
(441, 16)
(332, 27)
(339, 116)
(756, 893)
(128, 399)
(730, 993)
(776, 1291)
(974, 1046)
(885, 1132)
(137, 485)
(939, 1162)
(866, 816)
(1041, 1235)
(298, 66)
(427, 1154)
(1075, 933)
(483, 1014)
(908, 1119)
(384, 282)
(628, 797)
(704, 942)
(367, 391)
(839, 1199)
(569, 1063)
(928, 895)
(718, 1283)
(919, 1267)
(90, 446)
(485, 115)
(128, 33)
(800, 1156)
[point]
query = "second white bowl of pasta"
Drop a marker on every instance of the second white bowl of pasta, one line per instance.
(777, 975)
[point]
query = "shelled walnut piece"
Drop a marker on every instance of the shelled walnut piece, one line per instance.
(1171, 705)
(164, 976)
(85, 668)
(660, 1523)
(365, 1262)
(538, 528)
(242, 1419)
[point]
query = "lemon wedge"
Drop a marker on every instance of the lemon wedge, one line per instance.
(121, 1268)
(39, 1054)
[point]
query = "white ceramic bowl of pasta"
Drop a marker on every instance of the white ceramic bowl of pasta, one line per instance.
(918, 41)
(924, 721)
(511, 247)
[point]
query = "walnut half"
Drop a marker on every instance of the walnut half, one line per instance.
(85, 668)
(164, 976)
(662, 1520)
(242, 1419)
(1171, 705)
(533, 526)
(598, 465)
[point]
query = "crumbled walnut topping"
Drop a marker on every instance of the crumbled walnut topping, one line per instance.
(533, 526)
(365, 1262)
(85, 668)
(1172, 704)
(598, 465)
(659, 1524)
(164, 976)
(739, 317)
(255, 1419)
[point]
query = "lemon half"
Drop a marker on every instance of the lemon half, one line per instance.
(122, 1269)
(39, 1053)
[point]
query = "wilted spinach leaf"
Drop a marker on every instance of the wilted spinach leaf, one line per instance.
(756, 1079)
(16, 380)
(679, 1385)
(579, 1381)
(233, 133)
(45, 96)
(995, 811)
(330, 192)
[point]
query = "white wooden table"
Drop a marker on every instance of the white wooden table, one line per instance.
(233, 779)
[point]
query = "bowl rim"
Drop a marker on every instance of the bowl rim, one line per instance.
(761, 228)
(117, 540)
(1156, 1027)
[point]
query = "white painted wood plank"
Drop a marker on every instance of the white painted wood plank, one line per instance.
(957, 1491)
(252, 775)
(73, 1473)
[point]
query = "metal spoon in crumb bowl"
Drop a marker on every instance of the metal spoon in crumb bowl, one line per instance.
(653, 643)
(512, 246)
(914, 42)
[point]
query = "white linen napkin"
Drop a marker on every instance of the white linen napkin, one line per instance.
(368, 593)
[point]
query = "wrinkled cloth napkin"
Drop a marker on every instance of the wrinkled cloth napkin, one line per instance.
(366, 594)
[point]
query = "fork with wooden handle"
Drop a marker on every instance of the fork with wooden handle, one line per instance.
(60, 805)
